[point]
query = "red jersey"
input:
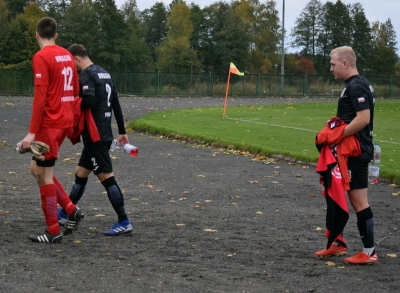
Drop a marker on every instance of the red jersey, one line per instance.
(56, 85)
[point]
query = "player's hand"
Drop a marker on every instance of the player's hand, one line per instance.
(122, 138)
(25, 144)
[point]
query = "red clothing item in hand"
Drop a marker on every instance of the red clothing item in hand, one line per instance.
(82, 118)
(345, 147)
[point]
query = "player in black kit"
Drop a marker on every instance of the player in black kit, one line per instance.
(99, 94)
(356, 109)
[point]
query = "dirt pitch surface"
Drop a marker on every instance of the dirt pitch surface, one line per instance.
(265, 220)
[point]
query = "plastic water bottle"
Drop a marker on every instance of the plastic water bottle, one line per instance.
(373, 168)
(125, 147)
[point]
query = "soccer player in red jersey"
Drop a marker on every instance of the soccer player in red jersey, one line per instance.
(56, 86)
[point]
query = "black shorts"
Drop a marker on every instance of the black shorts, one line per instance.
(96, 157)
(358, 172)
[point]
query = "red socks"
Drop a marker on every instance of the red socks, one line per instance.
(49, 207)
(63, 198)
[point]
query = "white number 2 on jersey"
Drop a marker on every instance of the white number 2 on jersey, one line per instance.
(108, 90)
(68, 74)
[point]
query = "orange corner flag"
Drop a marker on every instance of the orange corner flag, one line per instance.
(234, 70)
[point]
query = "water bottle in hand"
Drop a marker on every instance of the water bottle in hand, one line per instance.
(125, 147)
(374, 165)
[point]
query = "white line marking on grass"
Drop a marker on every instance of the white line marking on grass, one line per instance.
(392, 142)
(295, 128)
(270, 124)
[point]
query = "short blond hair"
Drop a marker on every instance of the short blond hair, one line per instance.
(346, 53)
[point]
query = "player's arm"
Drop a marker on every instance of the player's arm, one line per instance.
(361, 105)
(39, 101)
(88, 91)
(358, 123)
(75, 81)
(119, 117)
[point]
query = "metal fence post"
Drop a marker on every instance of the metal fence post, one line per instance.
(258, 84)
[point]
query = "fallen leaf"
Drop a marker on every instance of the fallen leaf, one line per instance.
(210, 230)
(318, 229)
(92, 228)
(207, 200)
(391, 255)
(59, 250)
(77, 241)
(183, 198)
(11, 172)
(150, 186)
(298, 175)
(159, 190)
(312, 194)
(4, 143)
(330, 264)
(197, 207)
(180, 225)
(229, 255)
(259, 213)
(69, 173)
(253, 182)
(201, 176)
(100, 215)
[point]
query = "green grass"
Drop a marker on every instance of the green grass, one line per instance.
(286, 129)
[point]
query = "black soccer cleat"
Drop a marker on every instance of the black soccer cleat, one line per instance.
(46, 238)
(74, 221)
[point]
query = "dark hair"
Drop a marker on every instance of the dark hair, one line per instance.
(46, 27)
(78, 50)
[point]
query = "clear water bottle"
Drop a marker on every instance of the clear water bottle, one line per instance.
(125, 147)
(373, 168)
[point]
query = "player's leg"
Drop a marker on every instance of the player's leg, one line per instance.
(44, 176)
(104, 172)
(82, 172)
(358, 196)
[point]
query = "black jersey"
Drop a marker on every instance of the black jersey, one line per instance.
(356, 96)
(96, 82)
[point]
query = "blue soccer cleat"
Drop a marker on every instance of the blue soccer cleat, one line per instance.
(119, 228)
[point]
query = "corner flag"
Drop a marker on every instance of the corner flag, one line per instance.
(234, 70)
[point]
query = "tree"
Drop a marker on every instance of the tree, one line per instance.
(232, 43)
(136, 55)
(20, 42)
(79, 25)
(336, 31)
(174, 54)
(261, 27)
(306, 29)
(298, 64)
(213, 24)
(361, 37)
(4, 27)
(384, 57)
(15, 7)
(156, 30)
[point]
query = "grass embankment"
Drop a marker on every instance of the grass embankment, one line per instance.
(286, 129)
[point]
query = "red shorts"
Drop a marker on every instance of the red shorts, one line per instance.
(53, 137)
